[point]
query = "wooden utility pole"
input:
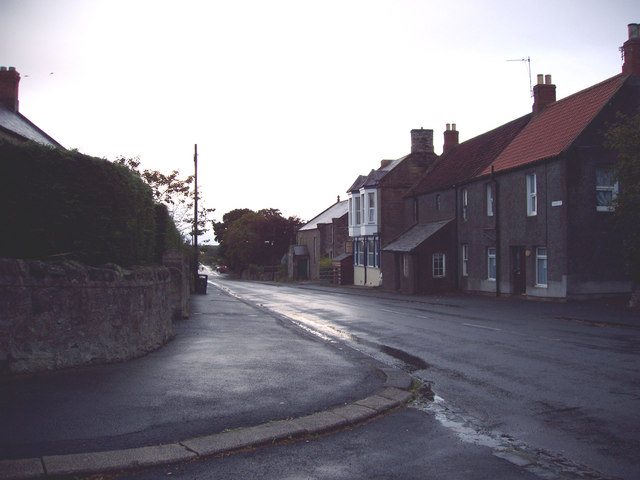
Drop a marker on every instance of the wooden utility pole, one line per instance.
(195, 215)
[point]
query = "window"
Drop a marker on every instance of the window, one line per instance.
(532, 195)
(415, 210)
(465, 204)
(491, 263)
(371, 197)
(489, 200)
(465, 260)
(606, 189)
(358, 252)
(405, 265)
(541, 267)
(438, 201)
(351, 211)
(371, 253)
(357, 209)
(438, 265)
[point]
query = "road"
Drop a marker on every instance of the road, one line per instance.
(557, 383)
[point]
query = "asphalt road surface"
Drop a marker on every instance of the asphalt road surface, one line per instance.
(559, 384)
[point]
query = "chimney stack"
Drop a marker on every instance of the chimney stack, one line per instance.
(631, 51)
(421, 141)
(451, 138)
(544, 93)
(9, 80)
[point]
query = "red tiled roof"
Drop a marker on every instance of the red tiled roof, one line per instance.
(468, 159)
(557, 126)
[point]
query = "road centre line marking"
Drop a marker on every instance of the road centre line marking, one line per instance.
(482, 326)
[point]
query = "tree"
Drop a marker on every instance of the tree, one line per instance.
(624, 138)
(219, 228)
(177, 194)
(255, 238)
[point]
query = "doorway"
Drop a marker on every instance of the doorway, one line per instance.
(518, 270)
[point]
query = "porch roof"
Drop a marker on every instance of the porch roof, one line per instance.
(415, 236)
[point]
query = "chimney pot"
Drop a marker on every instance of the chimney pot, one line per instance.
(634, 31)
(451, 138)
(543, 93)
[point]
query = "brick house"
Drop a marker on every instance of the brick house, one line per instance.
(324, 236)
(523, 209)
(376, 206)
(14, 125)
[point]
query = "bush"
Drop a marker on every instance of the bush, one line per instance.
(63, 203)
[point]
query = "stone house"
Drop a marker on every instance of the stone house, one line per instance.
(376, 206)
(524, 209)
(14, 125)
(325, 236)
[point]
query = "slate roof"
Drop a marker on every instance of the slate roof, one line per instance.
(336, 210)
(374, 177)
(415, 236)
(17, 125)
(469, 159)
(557, 126)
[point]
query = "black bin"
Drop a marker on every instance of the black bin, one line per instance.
(201, 284)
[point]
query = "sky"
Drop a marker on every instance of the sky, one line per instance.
(289, 101)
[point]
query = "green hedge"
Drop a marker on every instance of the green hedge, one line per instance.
(55, 202)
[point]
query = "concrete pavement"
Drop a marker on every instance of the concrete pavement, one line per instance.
(234, 377)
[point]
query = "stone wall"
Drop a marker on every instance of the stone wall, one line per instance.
(55, 316)
(181, 275)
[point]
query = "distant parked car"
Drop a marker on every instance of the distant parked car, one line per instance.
(222, 269)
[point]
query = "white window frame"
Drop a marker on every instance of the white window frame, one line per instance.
(532, 195)
(357, 209)
(465, 259)
(489, 200)
(612, 188)
(351, 217)
(491, 259)
(542, 256)
(438, 265)
(371, 206)
(465, 204)
(371, 252)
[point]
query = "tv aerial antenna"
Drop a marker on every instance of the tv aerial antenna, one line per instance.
(528, 60)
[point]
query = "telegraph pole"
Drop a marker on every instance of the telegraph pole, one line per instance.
(195, 214)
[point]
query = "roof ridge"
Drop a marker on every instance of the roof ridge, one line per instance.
(560, 124)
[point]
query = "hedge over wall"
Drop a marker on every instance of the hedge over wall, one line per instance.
(55, 202)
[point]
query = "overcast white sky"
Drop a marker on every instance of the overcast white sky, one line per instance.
(290, 100)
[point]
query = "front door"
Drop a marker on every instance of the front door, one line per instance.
(518, 270)
(303, 269)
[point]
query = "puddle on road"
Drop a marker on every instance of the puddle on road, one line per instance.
(455, 422)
